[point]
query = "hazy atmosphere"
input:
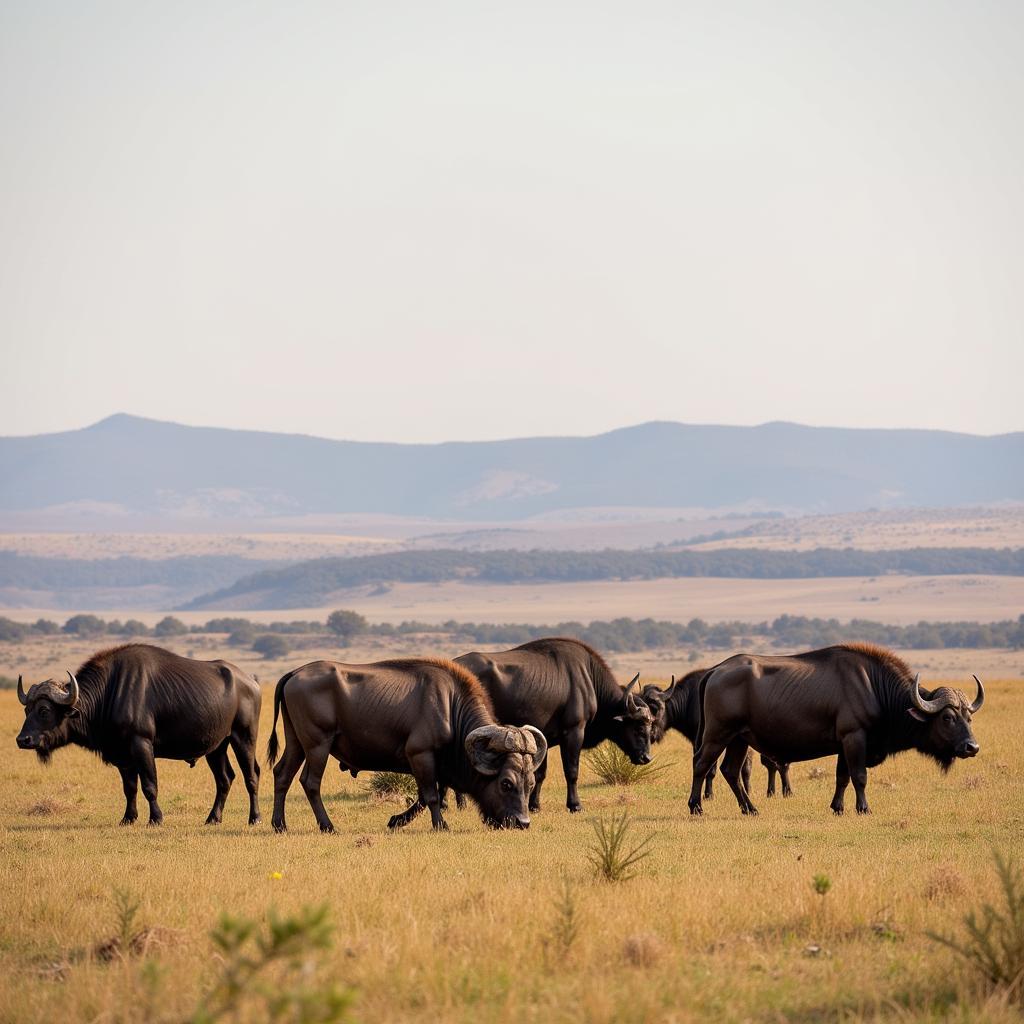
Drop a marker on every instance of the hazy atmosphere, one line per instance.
(420, 222)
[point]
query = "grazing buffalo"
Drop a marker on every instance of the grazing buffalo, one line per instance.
(567, 690)
(135, 703)
(424, 716)
(858, 701)
(678, 708)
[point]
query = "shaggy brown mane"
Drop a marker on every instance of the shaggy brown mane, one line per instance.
(893, 662)
(468, 683)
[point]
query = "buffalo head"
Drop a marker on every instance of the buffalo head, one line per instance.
(49, 708)
(631, 728)
(656, 700)
(947, 714)
(507, 757)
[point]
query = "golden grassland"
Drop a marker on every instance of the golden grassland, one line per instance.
(720, 923)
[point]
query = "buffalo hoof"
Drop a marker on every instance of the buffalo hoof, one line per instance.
(327, 830)
(211, 820)
(863, 810)
(787, 793)
(534, 808)
(441, 826)
(397, 821)
(255, 821)
(752, 811)
(126, 820)
(279, 826)
(574, 808)
(154, 822)
(696, 809)
(838, 811)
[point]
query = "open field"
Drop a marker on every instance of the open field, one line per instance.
(889, 599)
(720, 924)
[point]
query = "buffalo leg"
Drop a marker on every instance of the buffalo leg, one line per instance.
(570, 747)
(411, 812)
(460, 800)
(311, 778)
(425, 772)
(538, 780)
(223, 776)
(709, 791)
(842, 781)
(142, 755)
(732, 769)
(855, 752)
(770, 792)
(748, 767)
(284, 774)
(243, 743)
(705, 757)
(787, 789)
(130, 782)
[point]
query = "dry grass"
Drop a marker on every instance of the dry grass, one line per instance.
(452, 927)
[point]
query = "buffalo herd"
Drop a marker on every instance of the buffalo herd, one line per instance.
(482, 725)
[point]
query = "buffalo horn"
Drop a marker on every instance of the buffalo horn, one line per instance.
(630, 699)
(929, 707)
(980, 699)
(542, 744)
(668, 693)
(72, 697)
(22, 696)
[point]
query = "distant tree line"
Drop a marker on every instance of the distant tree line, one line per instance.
(791, 632)
(309, 583)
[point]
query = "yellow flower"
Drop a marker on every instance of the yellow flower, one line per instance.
(275, 876)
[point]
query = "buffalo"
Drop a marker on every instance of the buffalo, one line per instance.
(135, 703)
(678, 708)
(857, 701)
(423, 716)
(565, 689)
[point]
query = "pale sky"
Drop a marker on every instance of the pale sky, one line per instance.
(435, 221)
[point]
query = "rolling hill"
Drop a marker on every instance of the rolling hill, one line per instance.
(129, 467)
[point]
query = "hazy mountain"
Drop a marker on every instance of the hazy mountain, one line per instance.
(131, 467)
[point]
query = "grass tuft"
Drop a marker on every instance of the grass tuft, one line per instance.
(392, 785)
(611, 859)
(614, 768)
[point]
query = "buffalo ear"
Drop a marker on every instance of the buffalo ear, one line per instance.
(920, 716)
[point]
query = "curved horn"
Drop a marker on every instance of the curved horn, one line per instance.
(72, 697)
(633, 682)
(628, 696)
(929, 707)
(482, 747)
(980, 699)
(22, 696)
(542, 745)
(672, 689)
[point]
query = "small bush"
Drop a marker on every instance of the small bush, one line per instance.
(270, 645)
(242, 636)
(345, 625)
(134, 628)
(247, 955)
(614, 768)
(565, 929)
(170, 626)
(85, 625)
(994, 943)
(388, 785)
(611, 859)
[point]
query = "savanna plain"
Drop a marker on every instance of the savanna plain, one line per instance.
(794, 915)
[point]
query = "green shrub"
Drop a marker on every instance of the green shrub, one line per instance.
(270, 645)
(994, 943)
(387, 785)
(247, 956)
(170, 626)
(346, 625)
